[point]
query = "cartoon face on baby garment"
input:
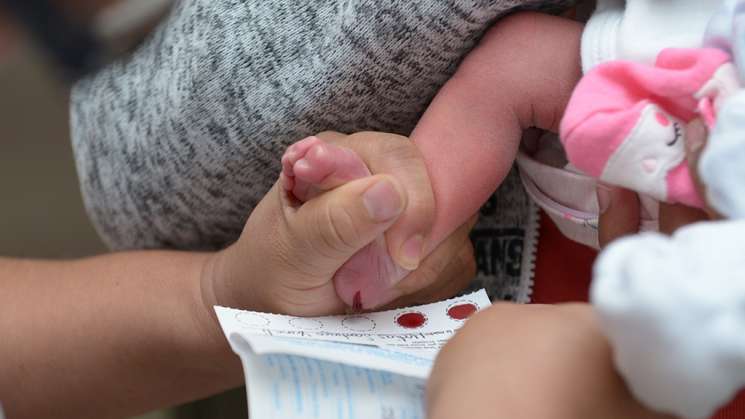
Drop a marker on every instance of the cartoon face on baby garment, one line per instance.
(654, 148)
(625, 122)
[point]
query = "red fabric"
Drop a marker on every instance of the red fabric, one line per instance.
(562, 274)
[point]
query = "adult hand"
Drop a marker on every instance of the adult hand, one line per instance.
(451, 266)
(620, 207)
(530, 361)
(287, 255)
(398, 156)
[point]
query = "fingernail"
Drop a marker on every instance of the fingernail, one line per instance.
(604, 198)
(301, 165)
(411, 253)
(383, 201)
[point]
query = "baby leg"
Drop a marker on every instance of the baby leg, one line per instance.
(520, 76)
(312, 166)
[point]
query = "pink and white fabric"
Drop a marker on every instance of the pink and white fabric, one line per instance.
(625, 123)
(567, 196)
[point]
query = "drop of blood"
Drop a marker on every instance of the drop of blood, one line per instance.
(461, 311)
(411, 320)
(357, 302)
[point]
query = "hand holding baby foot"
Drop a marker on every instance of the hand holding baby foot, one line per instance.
(312, 166)
(286, 257)
(291, 268)
(374, 275)
(324, 162)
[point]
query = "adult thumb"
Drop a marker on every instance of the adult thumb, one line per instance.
(339, 223)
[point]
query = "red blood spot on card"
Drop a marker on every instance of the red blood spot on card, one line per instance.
(411, 320)
(462, 311)
(662, 119)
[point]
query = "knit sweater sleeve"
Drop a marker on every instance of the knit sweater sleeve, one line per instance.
(177, 144)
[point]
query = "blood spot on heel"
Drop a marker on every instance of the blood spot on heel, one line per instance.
(357, 301)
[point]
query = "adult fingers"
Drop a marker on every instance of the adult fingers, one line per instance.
(445, 272)
(336, 225)
(398, 156)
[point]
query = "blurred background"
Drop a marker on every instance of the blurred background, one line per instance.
(41, 209)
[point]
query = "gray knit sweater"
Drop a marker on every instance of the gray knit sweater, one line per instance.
(176, 145)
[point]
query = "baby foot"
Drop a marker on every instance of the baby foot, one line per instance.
(312, 166)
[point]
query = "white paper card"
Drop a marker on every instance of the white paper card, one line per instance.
(371, 365)
(421, 330)
(294, 387)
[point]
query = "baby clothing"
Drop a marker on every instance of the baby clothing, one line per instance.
(631, 30)
(721, 166)
(637, 84)
(625, 123)
(726, 31)
(672, 308)
(637, 30)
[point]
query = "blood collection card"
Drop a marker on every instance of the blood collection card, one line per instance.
(371, 365)
(421, 330)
